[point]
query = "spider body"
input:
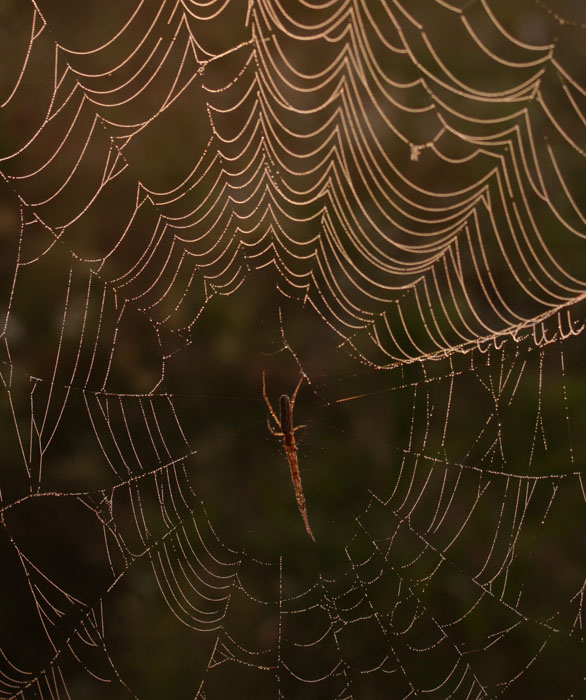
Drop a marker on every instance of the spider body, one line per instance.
(286, 431)
(286, 425)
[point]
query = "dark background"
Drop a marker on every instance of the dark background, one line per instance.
(189, 204)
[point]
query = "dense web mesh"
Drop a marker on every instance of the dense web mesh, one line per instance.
(383, 197)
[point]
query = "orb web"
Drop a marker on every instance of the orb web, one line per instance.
(382, 197)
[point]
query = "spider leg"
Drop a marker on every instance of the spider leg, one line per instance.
(298, 427)
(301, 378)
(272, 431)
(268, 403)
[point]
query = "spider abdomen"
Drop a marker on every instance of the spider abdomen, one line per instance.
(286, 423)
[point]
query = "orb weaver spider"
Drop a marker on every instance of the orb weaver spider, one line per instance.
(286, 432)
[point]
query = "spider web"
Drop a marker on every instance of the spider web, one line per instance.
(384, 197)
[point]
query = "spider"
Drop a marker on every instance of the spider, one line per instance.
(286, 431)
